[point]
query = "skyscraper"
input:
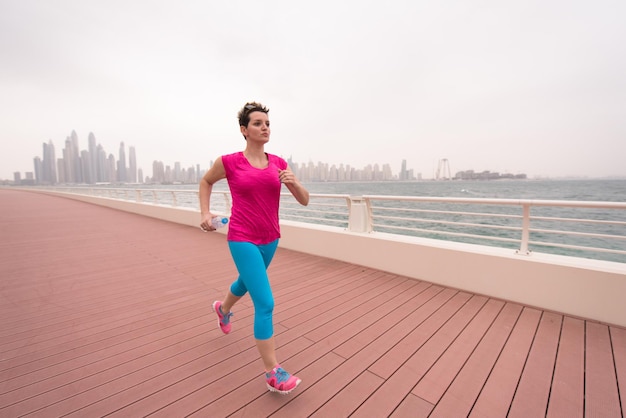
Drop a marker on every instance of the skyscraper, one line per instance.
(103, 166)
(38, 165)
(121, 164)
(177, 175)
(93, 159)
(158, 172)
(49, 172)
(68, 165)
(85, 167)
(403, 173)
(132, 165)
(77, 169)
(112, 170)
(61, 170)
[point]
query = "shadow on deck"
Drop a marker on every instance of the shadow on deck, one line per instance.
(106, 312)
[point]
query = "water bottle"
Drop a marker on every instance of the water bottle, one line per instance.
(219, 221)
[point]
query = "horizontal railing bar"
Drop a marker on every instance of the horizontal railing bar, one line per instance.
(322, 195)
(337, 221)
(458, 234)
(326, 205)
(436, 221)
(289, 212)
(515, 202)
(578, 234)
(448, 212)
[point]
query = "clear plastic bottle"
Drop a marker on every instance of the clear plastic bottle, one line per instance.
(219, 221)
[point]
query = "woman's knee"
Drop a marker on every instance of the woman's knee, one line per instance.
(264, 305)
(238, 288)
(263, 318)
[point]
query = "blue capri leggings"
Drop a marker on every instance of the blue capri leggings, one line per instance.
(252, 262)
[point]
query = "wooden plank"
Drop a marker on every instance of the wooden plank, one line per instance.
(601, 395)
(568, 385)
(618, 339)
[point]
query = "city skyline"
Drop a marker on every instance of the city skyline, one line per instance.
(92, 165)
(83, 166)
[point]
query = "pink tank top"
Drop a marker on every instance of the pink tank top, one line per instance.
(256, 198)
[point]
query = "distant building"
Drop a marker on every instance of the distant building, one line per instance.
(132, 166)
(48, 169)
(121, 165)
(486, 175)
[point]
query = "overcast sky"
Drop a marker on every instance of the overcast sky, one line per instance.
(533, 86)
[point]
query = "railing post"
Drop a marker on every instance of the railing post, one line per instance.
(359, 219)
(523, 249)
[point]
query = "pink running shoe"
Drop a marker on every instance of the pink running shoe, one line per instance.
(278, 380)
(222, 320)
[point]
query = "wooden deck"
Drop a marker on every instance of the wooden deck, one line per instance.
(108, 313)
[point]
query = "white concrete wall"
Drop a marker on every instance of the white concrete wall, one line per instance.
(590, 289)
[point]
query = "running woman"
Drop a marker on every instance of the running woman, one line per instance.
(255, 179)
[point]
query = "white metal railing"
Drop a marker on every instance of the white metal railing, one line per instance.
(510, 221)
(580, 228)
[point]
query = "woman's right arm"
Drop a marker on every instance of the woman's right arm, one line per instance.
(213, 175)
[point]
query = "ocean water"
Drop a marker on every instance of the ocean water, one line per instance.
(587, 190)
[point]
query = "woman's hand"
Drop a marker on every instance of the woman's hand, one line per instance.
(298, 191)
(286, 176)
(205, 223)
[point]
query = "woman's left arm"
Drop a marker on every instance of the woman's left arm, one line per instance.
(295, 187)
